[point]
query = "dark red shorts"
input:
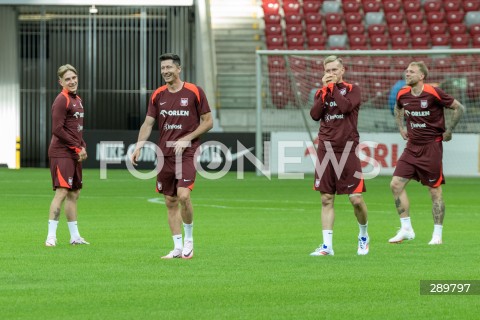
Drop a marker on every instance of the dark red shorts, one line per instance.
(422, 163)
(170, 178)
(66, 173)
(328, 181)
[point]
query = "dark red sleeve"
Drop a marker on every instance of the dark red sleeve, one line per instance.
(348, 102)
(59, 115)
(446, 100)
(152, 110)
(318, 107)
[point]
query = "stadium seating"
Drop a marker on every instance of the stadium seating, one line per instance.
(474, 29)
(452, 5)
(420, 41)
(273, 29)
(418, 28)
(351, 6)
(293, 19)
(460, 41)
(392, 6)
(444, 64)
(353, 18)
(454, 16)
(394, 17)
(476, 41)
(437, 28)
(432, 6)
(358, 42)
(275, 42)
(314, 29)
(435, 16)
(311, 6)
(335, 29)
(374, 18)
(412, 5)
(400, 63)
(291, 7)
(471, 5)
(316, 42)
(397, 28)
(457, 28)
(270, 7)
(291, 29)
(372, 6)
(295, 42)
(400, 41)
(333, 18)
(440, 40)
(313, 18)
(376, 29)
(331, 7)
(414, 17)
(337, 42)
(360, 63)
(272, 19)
(379, 42)
(355, 29)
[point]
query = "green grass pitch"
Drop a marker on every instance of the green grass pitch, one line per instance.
(252, 243)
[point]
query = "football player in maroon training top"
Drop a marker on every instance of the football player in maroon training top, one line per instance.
(66, 153)
(336, 105)
(182, 112)
(422, 106)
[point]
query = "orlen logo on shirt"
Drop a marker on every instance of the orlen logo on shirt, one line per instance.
(78, 114)
(175, 113)
(172, 126)
(417, 113)
(417, 125)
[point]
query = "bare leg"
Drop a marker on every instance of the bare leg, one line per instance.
(183, 195)
(400, 196)
(438, 206)
(328, 213)
(71, 205)
(56, 205)
(174, 216)
(359, 208)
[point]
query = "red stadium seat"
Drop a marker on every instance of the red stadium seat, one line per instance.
(420, 41)
(316, 42)
(313, 18)
(276, 62)
(400, 63)
(275, 42)
(376, 29)
(291, 29)
(355, 29)
(412, 5)
(457, 28)
(440, 40)
(273, 29)
(437, 28)
(311, 6)
(400, 41)
(397, 28)
(291, 7)
(371, 6)
(474, 29)
(272, 19)
(392, 6)
(353, 18)
(293, 19)
(379, 42)
(314, 29)
(295, 42)
(270, 7)
(454, 16)
(435, 16)
(446, 64)
(351, 6)
(333, 18)
(471, 5)
(432, 5)
(452, 5)
(418, 28)
(280, 90)
(414, 17)
(476, 41)
(394, 17)
(335, 29)
(460, 41)
(383, 63)
(358, 42)
(359, 64)
(465, 63)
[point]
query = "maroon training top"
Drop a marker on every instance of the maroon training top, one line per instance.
(424, 114)
(67, 126)
(177, 114)
(337, 106)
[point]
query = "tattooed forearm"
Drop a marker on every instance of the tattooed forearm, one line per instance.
(438, 212)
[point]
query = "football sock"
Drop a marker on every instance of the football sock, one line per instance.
(328, 238)
(177, 241)
(406, 223)
(188, 231)
(437, 230)
(363, 229)
(52, 228)
(72, 226)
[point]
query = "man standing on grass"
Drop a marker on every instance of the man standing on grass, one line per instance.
(336, 105)
(66, 153)
(422, 105)
(183, 114)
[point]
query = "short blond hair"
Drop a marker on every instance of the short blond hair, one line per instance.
(421, 66)
(332, 59)
(63, 69)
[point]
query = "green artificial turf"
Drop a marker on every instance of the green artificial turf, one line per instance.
(252, 243)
